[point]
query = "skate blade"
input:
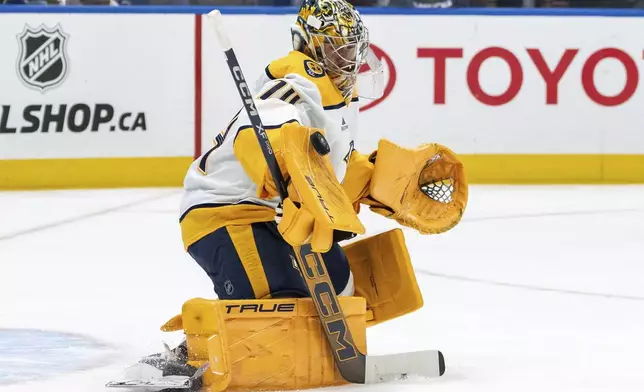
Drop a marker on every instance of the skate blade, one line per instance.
(168, 382)
(160, 383)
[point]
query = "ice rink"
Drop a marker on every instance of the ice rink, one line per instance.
(538, 289)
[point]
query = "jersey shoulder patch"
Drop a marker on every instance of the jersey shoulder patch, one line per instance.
(299, 63)
(313, 69)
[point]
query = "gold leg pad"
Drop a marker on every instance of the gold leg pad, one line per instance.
(383, 274)
(266, 344)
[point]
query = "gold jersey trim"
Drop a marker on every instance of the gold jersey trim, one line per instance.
(202, 220)
(246, 247)
(298, 63)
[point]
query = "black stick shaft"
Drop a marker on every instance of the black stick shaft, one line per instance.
(256, 122)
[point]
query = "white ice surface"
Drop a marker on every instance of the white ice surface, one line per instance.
(538, 289)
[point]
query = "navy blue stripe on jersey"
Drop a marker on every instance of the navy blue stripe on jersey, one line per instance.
(341, 104)
(267, 127)
(215, 205)
(269, 74)
(287, 95)
(204, 159)
(336, 106)
(273, 90)
(228, 128)
(219, 139)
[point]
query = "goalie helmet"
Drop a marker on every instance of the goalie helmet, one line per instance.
(331, 32)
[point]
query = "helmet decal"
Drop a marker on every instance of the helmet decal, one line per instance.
(332, 33)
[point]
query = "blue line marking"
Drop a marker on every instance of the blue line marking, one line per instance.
(261, 10)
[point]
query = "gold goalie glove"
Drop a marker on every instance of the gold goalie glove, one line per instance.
(423, 188)
(317, 204)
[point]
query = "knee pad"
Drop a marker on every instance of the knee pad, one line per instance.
(384, 276)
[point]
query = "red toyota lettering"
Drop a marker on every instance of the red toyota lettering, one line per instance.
(552, 78)
(588, 77)
(516, 76)
(440, 56)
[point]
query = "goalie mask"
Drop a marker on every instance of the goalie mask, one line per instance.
(332, 33)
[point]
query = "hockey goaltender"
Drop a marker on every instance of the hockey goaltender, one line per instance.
(264, 221)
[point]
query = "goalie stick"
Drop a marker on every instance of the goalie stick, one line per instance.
(353, 365)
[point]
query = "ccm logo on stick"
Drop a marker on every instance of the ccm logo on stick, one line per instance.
(313, 268)
(551, 75)
(244, 90)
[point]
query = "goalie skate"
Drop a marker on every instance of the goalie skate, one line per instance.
(158, 382)
(167, 370)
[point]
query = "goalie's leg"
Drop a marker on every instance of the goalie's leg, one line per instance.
(244, 262)
(253, 261)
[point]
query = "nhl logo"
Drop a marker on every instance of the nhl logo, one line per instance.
(42, 62)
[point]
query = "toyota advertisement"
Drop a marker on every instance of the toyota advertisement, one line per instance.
(70, 89)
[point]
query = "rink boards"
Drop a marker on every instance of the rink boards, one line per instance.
(102, 97)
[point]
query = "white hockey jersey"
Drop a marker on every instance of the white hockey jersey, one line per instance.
(219, 192)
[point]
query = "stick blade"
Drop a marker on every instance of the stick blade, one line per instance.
(382, 368)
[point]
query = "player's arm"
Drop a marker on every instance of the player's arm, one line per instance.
(248, 152)
(280, 102)
(316, 206)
